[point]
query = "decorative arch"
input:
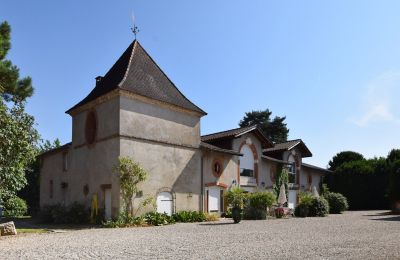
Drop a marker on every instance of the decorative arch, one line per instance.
(173, 194)
(255, 156)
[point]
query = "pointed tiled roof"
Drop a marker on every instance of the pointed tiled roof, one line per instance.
(286, 146)
(136, 71)
(233, 133)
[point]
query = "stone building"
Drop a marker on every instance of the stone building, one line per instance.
(136, 111)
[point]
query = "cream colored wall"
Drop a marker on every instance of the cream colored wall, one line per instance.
(229, 168)
(169, 168)
(91, 166)
(150, 121)
(316, 178)
(107, 121)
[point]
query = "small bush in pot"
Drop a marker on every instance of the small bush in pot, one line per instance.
(279, 212)
(236, 197)
(337, 202)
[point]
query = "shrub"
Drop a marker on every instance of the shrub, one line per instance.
(279, 212)
(252, 213)
(305, 198)
(158, 219)
(189, 216)
(236, 197)
(76, 213)
(15, 207)
(301, 210)
(262, 200)
(123, 221)
(319, 207)
(337, 202)
(227, 214)
(211, 217)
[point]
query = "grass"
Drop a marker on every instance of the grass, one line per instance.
(31, 230)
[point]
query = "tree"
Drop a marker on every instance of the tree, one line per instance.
(18, 139)
(130, 175)
(282, 177)
(343, 157)
(276, 129)
(393, 162)
(12, 87)
(31, 192)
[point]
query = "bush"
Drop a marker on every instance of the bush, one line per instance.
(301, 210)
(261, 200)
(15, 207)
(76, 213)
(189, 216)
(123, 221)
(211, 217)
(236, 197)
(252, 213)
(319, 207)
(158, 219)
(337, 202)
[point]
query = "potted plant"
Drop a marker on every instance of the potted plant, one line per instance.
(235, 197)
(279, 212)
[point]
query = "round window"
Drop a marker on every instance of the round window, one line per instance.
(217, 168)
(91, 127)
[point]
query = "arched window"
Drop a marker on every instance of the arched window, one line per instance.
(292, 169)
(246, 162)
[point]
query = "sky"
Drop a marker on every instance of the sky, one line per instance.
(331, 67)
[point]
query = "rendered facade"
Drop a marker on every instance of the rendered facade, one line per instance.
(136, 111)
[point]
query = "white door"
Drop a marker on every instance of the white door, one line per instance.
(107, 204)
(213, 199)
(164, 203)
(292, 199)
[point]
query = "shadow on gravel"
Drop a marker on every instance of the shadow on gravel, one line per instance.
(216, 224)
(394, 218)
(386, 213)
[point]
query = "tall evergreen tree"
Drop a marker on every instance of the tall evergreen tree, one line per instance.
(12, 87)
(276, 129)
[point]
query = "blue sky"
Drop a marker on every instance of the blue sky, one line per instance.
(331, 67)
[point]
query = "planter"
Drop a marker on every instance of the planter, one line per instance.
(236, 215)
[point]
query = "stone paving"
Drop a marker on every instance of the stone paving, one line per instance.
(352, 235)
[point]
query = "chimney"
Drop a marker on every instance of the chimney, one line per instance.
(98, 79)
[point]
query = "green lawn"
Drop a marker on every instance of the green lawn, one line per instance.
(31, 230)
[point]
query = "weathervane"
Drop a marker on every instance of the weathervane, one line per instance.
(134, 29)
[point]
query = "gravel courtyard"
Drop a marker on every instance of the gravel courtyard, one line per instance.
(353, 235)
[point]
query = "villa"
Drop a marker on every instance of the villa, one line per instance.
(136, 111)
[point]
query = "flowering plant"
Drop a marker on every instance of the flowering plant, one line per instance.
(279, 212)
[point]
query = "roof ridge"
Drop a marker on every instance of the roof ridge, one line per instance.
(220, 132)
(135, 42)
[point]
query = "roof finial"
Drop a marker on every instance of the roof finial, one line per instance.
(134, 29)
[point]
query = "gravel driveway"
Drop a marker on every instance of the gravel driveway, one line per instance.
(353, 235)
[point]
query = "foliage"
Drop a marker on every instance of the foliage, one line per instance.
(393, 161)
(75, 213)
(254, 213)
(31, 192)
(211, 217)
(344, 157)
(282, 177)
(261, 200)
(189, 216)
(158, 219)
(337, 202)
(275, 129)
(279, 212)
(123, 221)
(227, 214)
(301, 210)
(319, 207)
(15, 207)
(236, 197)
(364, 183)
(130, 175)
(12, 87)
(17, 147)
(305, 198)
